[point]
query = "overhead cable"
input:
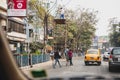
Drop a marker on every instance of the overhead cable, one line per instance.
(52, 7)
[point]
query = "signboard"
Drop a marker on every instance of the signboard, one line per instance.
(103, 39)
(16, 8)
(95, 39)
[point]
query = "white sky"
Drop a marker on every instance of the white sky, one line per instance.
(106, 9)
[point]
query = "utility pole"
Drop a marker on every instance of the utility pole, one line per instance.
(46, 27)
(48, 8)
(45, 31)
(66, 36)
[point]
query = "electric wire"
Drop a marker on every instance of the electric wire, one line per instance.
(66, 3)
(52, 7)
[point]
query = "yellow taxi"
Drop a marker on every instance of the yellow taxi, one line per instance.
(92, 55)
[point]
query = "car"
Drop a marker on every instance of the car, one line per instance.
(92, 55)
(106, 55)
(114, 58)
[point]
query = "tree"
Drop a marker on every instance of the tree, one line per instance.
(36, 5)
(114, 32)
(36, 46)
(40, 18)
(86, 28)
(80, 29)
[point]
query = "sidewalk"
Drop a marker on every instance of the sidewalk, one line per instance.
(44, 65)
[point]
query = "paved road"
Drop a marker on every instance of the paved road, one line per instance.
(78, 69)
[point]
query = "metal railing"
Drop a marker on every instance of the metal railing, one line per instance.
(23, 60)
(27, 60)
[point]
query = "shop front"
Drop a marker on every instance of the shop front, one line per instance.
(17, 44)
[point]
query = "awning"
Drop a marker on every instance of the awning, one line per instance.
(16, 39)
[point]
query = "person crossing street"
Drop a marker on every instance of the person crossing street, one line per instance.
(70, 54)
(57, 57)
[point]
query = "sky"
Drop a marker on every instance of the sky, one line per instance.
(106, 9)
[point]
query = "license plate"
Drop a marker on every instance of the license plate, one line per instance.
(92, 58)
(118, 59)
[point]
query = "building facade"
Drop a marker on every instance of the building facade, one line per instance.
(14, 29)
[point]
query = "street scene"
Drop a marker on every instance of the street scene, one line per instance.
(59, 39)
(78, 69)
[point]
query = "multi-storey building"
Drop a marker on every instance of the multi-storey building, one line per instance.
(14, 28)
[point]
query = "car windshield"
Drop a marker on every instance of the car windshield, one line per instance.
(116, 51)
(56, 35)
(106, 53)
(92, 52)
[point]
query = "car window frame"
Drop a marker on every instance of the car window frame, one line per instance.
(93, 50)
(7, 61)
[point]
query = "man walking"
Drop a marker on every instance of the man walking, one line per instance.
(66, 56)
(57, 57)
(52, 57)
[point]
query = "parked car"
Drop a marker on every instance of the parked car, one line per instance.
(92, 55)
(114, 59)
(106, 55)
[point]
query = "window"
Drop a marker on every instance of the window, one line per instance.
(92, 52)
(116, 51)
(14, 26)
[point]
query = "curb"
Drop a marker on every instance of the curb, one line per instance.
(44, 65)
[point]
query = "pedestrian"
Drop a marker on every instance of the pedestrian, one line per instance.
(30, 60)
(52, 56)
(57, 57)
(81, 51)
(60, 53)
(66, 56)
(61, 13)
(70, 54)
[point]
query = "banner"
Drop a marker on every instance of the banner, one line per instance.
(103, 39)
(16, 8)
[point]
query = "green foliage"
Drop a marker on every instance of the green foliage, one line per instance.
(36, 46)
(36, 5)
(114, 35)
(86, 28)
(37, 51)
(115, 39)
(39, 7)
(25, 53)
(80, 30)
